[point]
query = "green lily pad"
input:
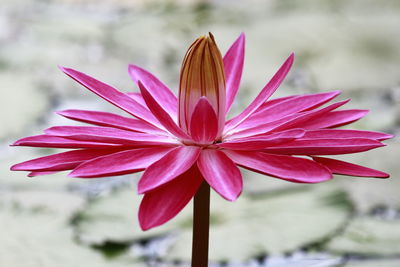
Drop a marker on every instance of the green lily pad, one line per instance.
(369, 236)
(274, 225)
(368, 193)
(374, 263)
(62, 205)
(34, 238)
(23, 100)
(114, 218)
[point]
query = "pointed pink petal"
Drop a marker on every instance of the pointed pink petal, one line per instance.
(138, 98)
(262, 141)
(44, 140)
(265, 93)
(161, 93)
(161, 114)
(296, 120)
(345, 133)
(61, 161)
(164, 203)
(336, 119)
(233, 66)
(173, 164)
(123, 162)
(325, 146)
(35, 173)
(289, 168)
(285, 108)
(109, 135)
(110, 119)
(346, 168)
(112, 95)
(220, 173)
(204, 122)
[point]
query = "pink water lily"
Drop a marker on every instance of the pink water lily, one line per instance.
(181, 142)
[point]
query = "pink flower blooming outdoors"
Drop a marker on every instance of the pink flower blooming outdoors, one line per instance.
(181, 141)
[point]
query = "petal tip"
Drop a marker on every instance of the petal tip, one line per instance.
(14, 167)
(145, 225)
(63, 69)
(74, 174)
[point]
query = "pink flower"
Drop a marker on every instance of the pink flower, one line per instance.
(180, 142)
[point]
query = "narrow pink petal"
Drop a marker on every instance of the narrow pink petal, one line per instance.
(61, 161)
(296, 120)
(273, 101)
(325, 146)
(262, 141)
(110, 120)
(346, 168)
(220, 173)
(39, 173)
(233, 67)
(112, 95)
(285, 108)
(289, 168)
(265, 93)
(204, 122)
(138, 98)
(173, 164)
(44, 140)
(161, 93)
(164, 203)
(309, 116)
(161, 114)
(109, 135)
(336, 119)
(345, 133)
(123, 162)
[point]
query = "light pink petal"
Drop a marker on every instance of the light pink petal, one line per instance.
(345, 133)
(336, 119)
(161, 93)
(346, 168)
(61, 161)
(285, 108)
(138, 98)
(110, 120)
(123, 162)
(161, 114)
(265, 93)
(164, 203)
(289, 168)
(204, 122)
(173, 164)
(220, 173)
(233, 67)
(44, 140)
(109, 135)
(112, 95)
(263, 141)
(296, 120)
(325, 146)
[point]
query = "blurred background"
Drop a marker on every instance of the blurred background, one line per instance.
(348, 45)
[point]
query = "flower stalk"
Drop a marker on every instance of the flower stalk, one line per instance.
(201, 222)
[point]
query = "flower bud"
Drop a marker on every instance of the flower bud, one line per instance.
(202, 74)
